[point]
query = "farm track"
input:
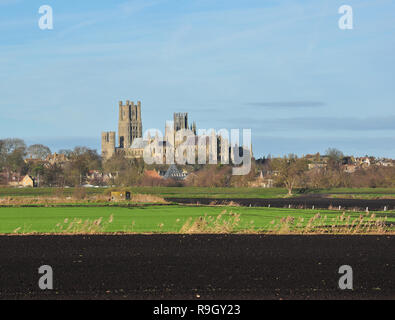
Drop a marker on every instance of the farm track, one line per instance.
(208, 266)
(318, 201)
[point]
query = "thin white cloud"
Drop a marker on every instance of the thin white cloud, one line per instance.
(9, 2)
(135, 6)
(287, 104)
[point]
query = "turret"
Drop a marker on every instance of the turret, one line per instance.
(139, 111)
(130, 124)
(108, 144)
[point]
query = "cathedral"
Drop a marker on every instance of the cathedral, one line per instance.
(207, 148)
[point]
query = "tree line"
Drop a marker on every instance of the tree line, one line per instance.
(17, 160)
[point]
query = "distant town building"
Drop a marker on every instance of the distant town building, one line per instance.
(261, 181)
(317, 165)
(33, 161)
(364, 162)
(349, 168)
(385, 163)
(28, 182)
(174, 173)
(56, 158)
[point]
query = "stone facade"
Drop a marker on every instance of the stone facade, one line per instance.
(28, 182)
(179, 137)
(108, 144)
(130, 128)
(130, 125)
(180, 121)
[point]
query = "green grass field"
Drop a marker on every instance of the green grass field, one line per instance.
(149, 219)
(197, 192)
(357, 193)
(167, 218)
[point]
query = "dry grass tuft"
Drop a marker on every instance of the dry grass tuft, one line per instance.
(79, 193)
(233, 204)
(223, 223)
(342, 224)
(79, 226)
(79, 198)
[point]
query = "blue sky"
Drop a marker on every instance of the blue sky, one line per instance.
(282, 68)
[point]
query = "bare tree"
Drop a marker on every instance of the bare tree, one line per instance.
(289, 171)
(335, 158)
(38, 151)
(66, 152)
(13, 144)
(81, 160)
(12, 153)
